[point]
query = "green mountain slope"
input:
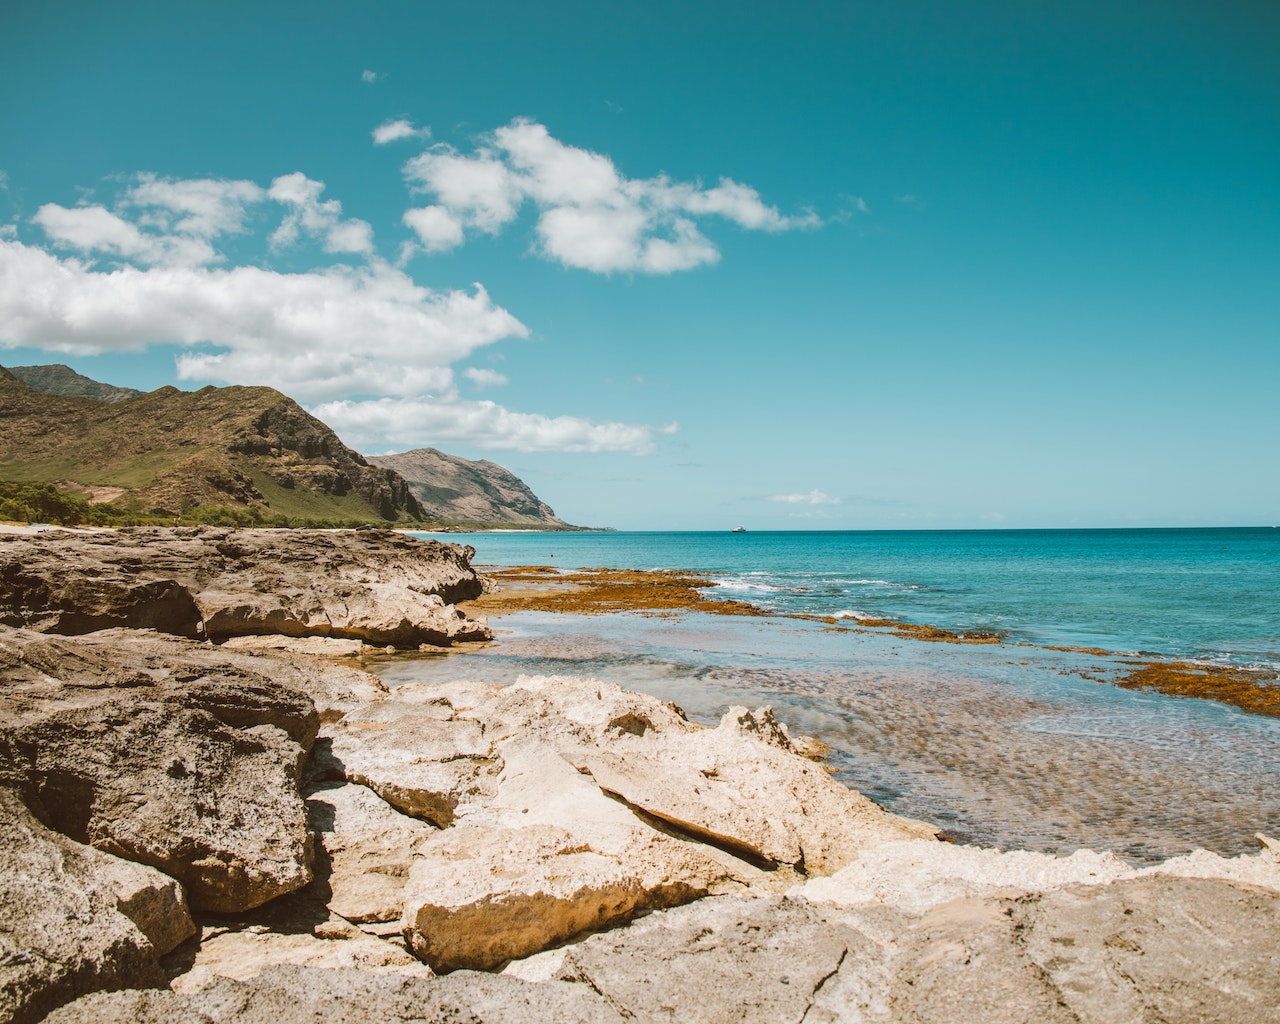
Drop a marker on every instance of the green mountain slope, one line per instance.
(167, 452)
(58, 379)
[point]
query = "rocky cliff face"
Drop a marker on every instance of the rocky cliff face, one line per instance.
(173, 450)
(450, 487)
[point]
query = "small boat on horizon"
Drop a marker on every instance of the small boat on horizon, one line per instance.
(739, 529)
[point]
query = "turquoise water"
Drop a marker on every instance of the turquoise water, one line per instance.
(1010, 745)
(1198, 593)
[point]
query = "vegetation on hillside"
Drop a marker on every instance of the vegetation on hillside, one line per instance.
(23, 502)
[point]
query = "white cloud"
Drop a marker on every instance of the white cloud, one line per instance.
(590, 215)
(483, 378)
(323, 220)
(369, 77)
(420, 421)
(814, 497)
(437, 228)
(479, 192)
(392, 131)
(201, 207)
(92, 229)
(317, 335)
(372, 346)
(4, 181)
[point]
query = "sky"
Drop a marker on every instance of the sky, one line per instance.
(859, 265)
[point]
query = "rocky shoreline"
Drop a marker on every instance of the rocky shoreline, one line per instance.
(207, 814)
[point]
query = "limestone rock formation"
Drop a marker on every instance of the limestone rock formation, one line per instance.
(75, 919)
(298, 995)
(369, 847)
(164, 752)
(370, 585)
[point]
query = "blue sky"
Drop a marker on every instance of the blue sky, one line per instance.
(838, 266)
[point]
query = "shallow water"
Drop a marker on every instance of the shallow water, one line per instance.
(1192, 593)
(1000, 745)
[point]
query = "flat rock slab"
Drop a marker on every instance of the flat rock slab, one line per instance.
(299, 995)
(377, 586)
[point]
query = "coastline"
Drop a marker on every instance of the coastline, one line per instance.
(605, 590)
(249, 826)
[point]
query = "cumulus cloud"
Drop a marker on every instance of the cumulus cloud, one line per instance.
(392, 131)
(316, 335)
(437, 229)
(411, 422)
(362, 338)
(369, 77)
(318, 219)
(590, 215)
(95, 229)
(483, 378)
(200, 207)
(814, 497)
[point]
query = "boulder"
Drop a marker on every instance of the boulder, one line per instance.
(164, 752)
(548, 857)
(413, 752)
(75, 919)
(600, 804)
(367, 847)
(377, 586)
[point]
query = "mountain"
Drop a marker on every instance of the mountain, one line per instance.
(479, 492)
(57, 379)
(167, 452)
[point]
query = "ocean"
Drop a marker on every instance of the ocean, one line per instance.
(1011, 745)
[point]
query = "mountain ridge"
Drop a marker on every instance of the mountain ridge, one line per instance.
(479, 491)
(250, 451)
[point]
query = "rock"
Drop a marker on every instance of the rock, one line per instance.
(550, 856)
(368, 847)
(376, 586)
(300, 995)
(162, 751)
(1167, 949)
(543, 850)
(745, 790)
(316, 646)
(244, 953)
(762, 960)
(416, 756)
(478, 898)
(76, 920)
(915, 876)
